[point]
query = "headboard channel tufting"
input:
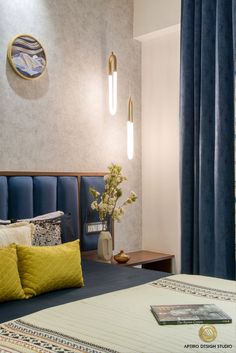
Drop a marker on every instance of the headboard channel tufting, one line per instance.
(29, 194)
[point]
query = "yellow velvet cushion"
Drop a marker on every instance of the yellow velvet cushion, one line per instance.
(47, 268)
(10, 285)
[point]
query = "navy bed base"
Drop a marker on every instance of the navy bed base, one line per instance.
(26, 195)
(99, 279)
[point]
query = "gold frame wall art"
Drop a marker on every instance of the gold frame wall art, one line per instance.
(27, 56)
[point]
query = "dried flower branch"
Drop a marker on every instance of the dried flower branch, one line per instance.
(106, 203)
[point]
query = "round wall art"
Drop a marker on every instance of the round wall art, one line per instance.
(27, 56)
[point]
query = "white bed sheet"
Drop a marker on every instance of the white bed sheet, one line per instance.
(121, 321)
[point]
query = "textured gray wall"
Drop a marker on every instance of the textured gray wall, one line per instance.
(61, 122)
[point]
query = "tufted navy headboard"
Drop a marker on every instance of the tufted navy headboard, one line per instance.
(26, 195)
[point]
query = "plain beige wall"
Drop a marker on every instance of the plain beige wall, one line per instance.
(160, 143)
(154, 15)
(61, 122)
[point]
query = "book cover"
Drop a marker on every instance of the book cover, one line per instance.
(189, 314)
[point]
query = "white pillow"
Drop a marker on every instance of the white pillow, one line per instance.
(18, 233)
(5, 221)
(43, 216)
(37, 218)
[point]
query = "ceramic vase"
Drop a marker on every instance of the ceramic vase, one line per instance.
(104, 249)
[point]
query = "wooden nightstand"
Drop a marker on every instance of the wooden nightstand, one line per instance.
(147, 259)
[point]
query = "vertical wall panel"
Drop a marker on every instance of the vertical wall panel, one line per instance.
(67, 199)
(20, 197)
(3, 197)
(45, 194)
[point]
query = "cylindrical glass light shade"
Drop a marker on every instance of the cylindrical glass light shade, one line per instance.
(112, 83)
(130, 131)
(130, 139)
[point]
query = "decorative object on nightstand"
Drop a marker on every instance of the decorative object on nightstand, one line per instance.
(106, 204)
(121, 258)
(105, 246)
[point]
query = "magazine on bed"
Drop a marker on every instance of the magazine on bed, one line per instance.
(189, 314)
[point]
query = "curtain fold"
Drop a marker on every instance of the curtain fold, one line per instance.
(207, 138)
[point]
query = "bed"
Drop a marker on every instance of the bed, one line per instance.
(112, 312)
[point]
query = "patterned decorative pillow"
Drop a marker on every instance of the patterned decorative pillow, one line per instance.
(47, 232)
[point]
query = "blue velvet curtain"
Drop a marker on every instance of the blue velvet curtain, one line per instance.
(207, 138)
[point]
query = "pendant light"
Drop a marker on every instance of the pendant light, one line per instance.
(130, 130)
(112, 83)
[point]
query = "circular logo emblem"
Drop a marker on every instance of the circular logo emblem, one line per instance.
(207, 333)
